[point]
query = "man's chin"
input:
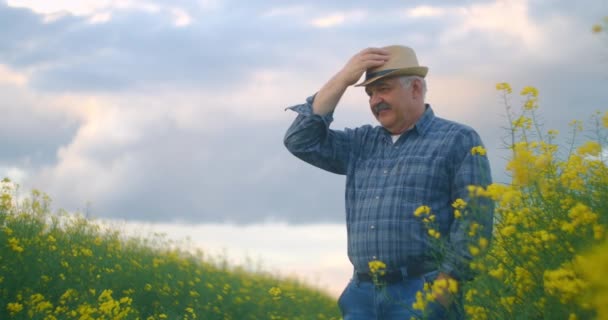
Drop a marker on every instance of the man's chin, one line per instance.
(384, 117)
(385, 124)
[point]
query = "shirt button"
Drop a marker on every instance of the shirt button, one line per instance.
(385, 171)
(372, 226)
(377, 197)
(374, 257)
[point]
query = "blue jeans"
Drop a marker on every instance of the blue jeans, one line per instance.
(362, 300)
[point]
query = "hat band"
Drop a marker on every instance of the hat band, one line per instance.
(377, 74)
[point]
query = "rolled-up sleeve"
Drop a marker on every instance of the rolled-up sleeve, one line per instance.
(310, 139)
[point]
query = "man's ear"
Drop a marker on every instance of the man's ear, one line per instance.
(417, 89)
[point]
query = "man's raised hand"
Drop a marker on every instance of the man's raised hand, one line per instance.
(360, 62)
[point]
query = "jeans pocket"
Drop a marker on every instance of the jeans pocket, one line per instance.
(430, 277)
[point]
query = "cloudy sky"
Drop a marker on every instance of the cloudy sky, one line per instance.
(171, 114)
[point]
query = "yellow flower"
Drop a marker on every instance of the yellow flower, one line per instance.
(497, 273)
(521, 164)
(14, 307)
(459, 204)
(605, 119)
(86, 252)
(478, 150)
(483, 242)
(591, 148)
(473, 229)
(457, 214)
(473, 250)
(9, 231)
(422, 210)
(470, 294)
(434, 233)
(508, 231)
(542, 161)
(530, 104)
(576, 125)
(452, 285)
(476, 312)
(588, 266)
(504, 87)
(523, 122)
(68, 293)
(420, 303)
(598, 232)
(14, 244)
(563, 283)
(597, 28)
(523, 281)
(581, 215)
(443, 286)
(507, 302)
(275, 292)
(376, 266)
(529, 90)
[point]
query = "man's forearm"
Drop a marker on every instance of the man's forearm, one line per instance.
(328, 97)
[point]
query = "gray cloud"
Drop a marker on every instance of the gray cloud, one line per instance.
(341, 5)
(241, 174)
(233, 166)
(137, 49)
(30, 135)
(592, 12)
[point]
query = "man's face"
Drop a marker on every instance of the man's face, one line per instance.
(391, 104)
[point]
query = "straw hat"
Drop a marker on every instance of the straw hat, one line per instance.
(402, 61)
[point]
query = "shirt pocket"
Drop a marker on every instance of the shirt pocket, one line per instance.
(366, 176)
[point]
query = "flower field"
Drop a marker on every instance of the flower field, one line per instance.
(549, 251)
(60, 266)
(548, 254)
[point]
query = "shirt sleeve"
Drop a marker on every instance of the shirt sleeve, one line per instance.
(470, 170)
(310, 139)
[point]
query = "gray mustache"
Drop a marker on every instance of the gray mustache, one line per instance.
(380, 107)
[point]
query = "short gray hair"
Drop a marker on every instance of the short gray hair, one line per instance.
(406, 82)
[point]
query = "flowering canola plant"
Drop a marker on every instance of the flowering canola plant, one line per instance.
(554, 211)
(549, 239)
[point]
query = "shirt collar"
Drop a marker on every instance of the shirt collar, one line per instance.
(424, 123)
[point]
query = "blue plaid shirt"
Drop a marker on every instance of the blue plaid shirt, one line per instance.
(431, 164)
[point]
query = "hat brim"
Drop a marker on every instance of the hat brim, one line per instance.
(412, 71)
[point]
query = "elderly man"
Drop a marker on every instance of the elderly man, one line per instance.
(413, 160)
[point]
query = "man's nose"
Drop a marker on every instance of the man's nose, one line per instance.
(375, 99)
